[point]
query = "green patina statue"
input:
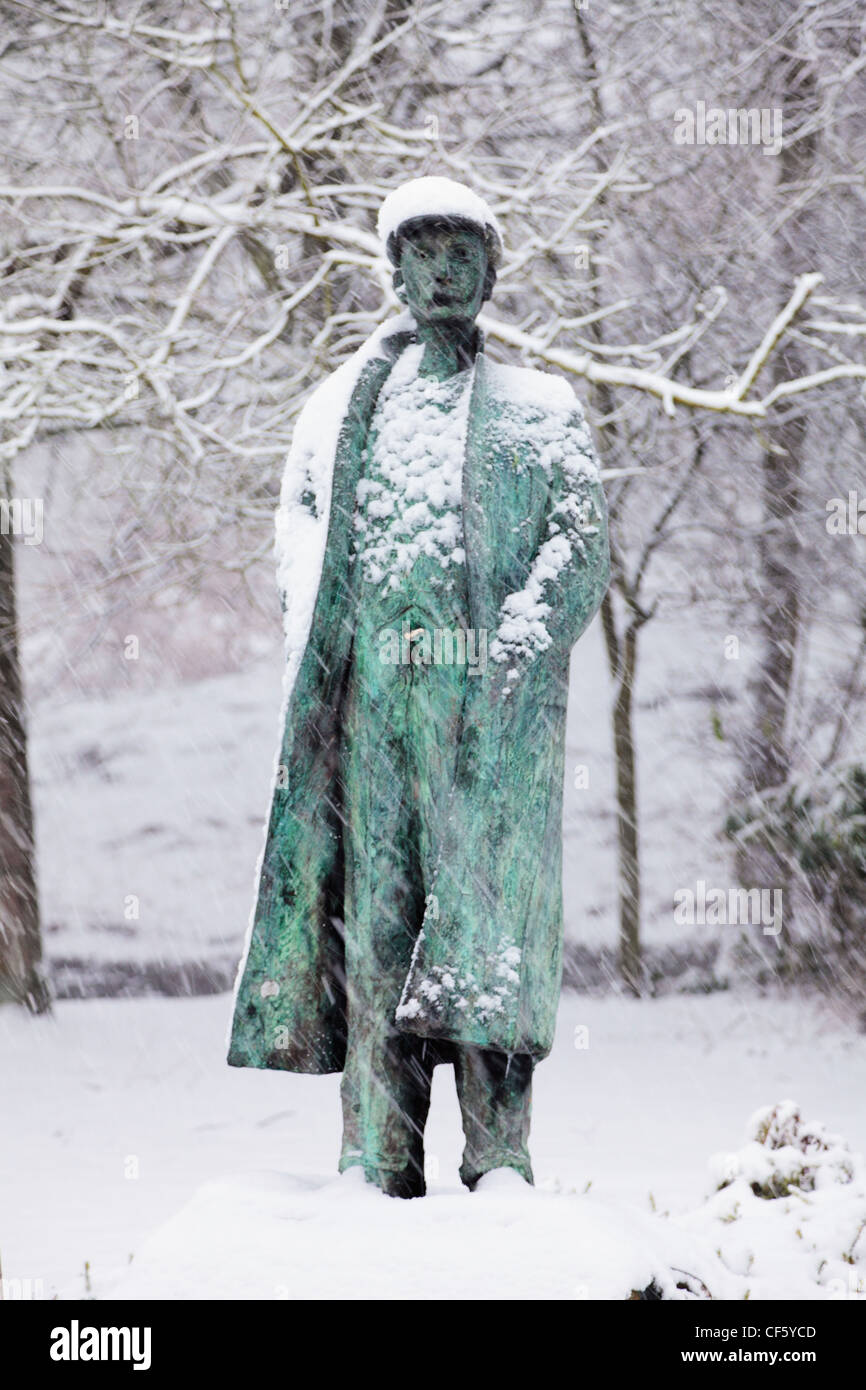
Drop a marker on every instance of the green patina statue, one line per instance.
(442, 544)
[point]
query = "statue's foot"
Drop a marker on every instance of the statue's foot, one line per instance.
(403, 1182)
(501, 1182)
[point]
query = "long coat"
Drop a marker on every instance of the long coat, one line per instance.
(487, 963)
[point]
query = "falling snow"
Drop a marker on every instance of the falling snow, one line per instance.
(184, 260)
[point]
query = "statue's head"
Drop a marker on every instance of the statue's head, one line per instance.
(443, 270)
(444, 244)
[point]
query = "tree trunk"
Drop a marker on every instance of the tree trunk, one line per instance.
(622, 656)
(621, 648)
(20, 943)
(767, 752)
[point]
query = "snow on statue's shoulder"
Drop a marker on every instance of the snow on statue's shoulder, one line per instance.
(301, 520)
(542, 410)
(314, 438)
(527, 386)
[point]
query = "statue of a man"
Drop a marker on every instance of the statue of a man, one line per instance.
(442, 544)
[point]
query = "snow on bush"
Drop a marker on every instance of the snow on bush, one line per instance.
(786, 1152)
(788, 1214)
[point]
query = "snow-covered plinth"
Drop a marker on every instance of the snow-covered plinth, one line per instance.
(267, 1235)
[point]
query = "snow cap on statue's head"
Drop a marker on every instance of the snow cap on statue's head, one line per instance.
(433, 198)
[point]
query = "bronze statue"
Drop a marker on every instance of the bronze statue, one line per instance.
(443, 544)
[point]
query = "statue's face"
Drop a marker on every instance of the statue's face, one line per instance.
(443, 270)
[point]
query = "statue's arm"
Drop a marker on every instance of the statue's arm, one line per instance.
(568, 575)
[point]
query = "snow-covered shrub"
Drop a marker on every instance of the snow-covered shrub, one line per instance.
(787, 1214)
(784, 1152)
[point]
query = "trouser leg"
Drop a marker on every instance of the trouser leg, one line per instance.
(400, 741)
(385, 1090)
(386, 1095)
(494, 1090)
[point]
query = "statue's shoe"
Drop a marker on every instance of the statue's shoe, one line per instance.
(406, 1182)
(502, 1182)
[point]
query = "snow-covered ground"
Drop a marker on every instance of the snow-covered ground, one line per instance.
(125, 1134)
(149, 810)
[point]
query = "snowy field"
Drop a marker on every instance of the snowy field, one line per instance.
(130, 1139)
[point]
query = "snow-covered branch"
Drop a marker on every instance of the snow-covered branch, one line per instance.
(731, 400)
